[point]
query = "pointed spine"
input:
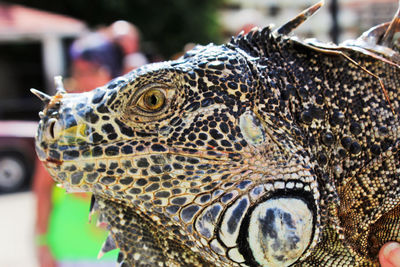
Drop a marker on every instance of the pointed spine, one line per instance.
(108, 245)
(93, 207)
(59, 85)
(299, 19)
(45, 98)
(390, 37)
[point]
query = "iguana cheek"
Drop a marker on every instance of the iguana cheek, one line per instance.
(280, 231)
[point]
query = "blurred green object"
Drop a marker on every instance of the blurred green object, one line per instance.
(166, 25)
(70, 237)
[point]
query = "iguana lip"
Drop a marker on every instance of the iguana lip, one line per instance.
(55, 161)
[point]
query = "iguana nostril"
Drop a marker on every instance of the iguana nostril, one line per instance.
(50, 128)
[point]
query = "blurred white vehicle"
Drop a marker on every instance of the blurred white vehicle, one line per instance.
(17, 155)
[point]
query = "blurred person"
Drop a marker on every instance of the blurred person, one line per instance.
(95, 61)
(389, 255)
(127, 36)
(63, 240)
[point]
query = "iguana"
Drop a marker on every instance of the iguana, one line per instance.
(264, 151)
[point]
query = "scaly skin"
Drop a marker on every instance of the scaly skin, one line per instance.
(265, 151)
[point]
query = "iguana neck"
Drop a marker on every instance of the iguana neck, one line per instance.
(335, 109)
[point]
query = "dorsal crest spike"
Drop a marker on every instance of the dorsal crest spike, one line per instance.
(255, 43)
(254, 29)
(391, 37)
(240, 35)
(299, 19)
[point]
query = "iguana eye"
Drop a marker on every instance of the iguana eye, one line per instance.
(152, 100)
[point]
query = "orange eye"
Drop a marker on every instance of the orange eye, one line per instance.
(152, 100)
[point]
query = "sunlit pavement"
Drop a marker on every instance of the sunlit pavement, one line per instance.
(17, 217)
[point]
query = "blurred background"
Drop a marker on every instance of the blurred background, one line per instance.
(35, 45)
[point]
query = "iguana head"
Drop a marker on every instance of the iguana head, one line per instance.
(206, 142)
(185, 138)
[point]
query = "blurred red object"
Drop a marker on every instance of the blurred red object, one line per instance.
(16, 19)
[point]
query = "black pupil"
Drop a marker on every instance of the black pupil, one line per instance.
(153, 100)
